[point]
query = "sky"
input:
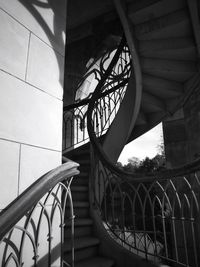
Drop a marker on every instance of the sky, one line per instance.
(144, 146)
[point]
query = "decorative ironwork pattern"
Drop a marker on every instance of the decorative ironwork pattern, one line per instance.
(37, 239)
(156, 218)
(30, 231)
(107, 104)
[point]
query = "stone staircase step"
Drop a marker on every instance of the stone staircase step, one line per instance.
(84, 165)
(82, 254)
(83, 175)
(80, 193)
(156, 85)
(174, 70)
(79, 151)
(95, 262)
(172, 48)
(79, 222)
(80, 196)
(84, 161)
(85, 243)
(143, 10)
(79, 188)
(83, 222)
(172, 25)
(80, 231)
(81, 179)
(81, 204)
(81, 209)
(81, 243)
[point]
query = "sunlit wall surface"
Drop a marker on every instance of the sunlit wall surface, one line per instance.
(32, 47)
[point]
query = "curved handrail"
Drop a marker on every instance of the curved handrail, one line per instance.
(74, 116)
(162, 197)
(89, 71)
(23, 203)
(107, 50)
(193, 166)
(138, 79)
(86, 101)
(185, 169)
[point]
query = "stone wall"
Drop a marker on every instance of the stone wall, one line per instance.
(175, 140)
(181, 133)
(32, 48)
(192, 122)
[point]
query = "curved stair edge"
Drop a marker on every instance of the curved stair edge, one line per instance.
(108, 247)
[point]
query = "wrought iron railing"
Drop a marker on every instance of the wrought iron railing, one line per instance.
(75, 116)
(156, 217)
(32, 226)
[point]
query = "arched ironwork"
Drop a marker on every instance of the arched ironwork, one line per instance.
(107, 104)
(32, 226)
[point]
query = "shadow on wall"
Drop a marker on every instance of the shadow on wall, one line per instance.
(46, 260)
(55, 36)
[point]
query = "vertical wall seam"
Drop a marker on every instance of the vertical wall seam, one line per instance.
(27, 58)
(19, 169)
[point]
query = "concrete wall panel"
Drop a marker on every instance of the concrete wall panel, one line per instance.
(32, 46)
(28, 115)
(9, 168)
(46, 20)
(31, 157)
(45, 68)
(14, 40)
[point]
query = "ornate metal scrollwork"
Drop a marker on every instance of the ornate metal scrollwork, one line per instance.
(156, 218)
(38, 238)
(107, 104)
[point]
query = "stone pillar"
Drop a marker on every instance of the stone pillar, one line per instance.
(192, 122)
(32, 50)
(175, 140)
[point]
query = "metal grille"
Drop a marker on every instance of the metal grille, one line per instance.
(38, 238)
(155, 218)
(75, 119)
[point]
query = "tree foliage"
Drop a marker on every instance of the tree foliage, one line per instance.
(144, 166)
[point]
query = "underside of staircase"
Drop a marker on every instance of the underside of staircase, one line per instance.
(143, 57)
(167, 47)
(168, 56)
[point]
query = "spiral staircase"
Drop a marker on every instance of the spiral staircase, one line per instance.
(144, 71)
(163, 44)
(166, 39)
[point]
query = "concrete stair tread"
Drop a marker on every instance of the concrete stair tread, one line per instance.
(81, 204)
(83, 174)
(80, 180)
(83, 161)
(83, 221)
(139, 10)
(171, 23)
(95, 262)
(80, 222)
(81, 153)
(80, 231)
(81, 242)
(84, 149)
(79, 188)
